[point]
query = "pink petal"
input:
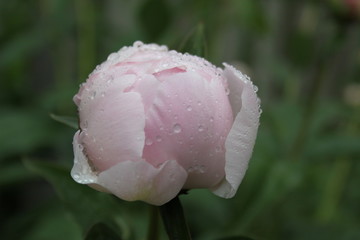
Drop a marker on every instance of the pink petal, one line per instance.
(113, 127)
(189, 121)
(139, 180)
(81, 171)
(131, 180)
(241, 139)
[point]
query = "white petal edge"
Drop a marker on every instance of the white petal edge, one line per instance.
(131, 180)
(139, 180)
(241, 138)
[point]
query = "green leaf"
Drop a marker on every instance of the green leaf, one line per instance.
(23, 130)
(236, 238)
(195, 42)
(101, 231)
(14, 173)
(87, 205)
(68, 121)
(154, 18)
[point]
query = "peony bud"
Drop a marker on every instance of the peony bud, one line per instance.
(153, 122)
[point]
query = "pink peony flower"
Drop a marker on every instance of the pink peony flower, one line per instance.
(153, 122)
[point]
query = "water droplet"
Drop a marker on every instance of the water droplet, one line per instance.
(172, 177)
(227, 91)
(148, 141)
(112, 56)
(76, 176)
(201, 168)
(93, 95)
(158, 138)
(201, 128)
(199, 103)
(177, 128)
(189, 108)
(138, 44)
(218, 149)
(103, 94)
(101, 149)
(110, 80)
(176, 117)
(211, 119)
(161, 128)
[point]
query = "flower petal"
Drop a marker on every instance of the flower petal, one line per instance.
(189, 120)
(81, 171)
(139, 180)
(114, 129)
(241, 139)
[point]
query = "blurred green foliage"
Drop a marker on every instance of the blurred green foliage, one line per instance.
(304, 56)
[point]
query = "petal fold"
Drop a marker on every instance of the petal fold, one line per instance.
(241, 138)
(131, 180)
(139, 180)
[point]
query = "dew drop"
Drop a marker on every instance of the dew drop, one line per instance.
(177, 128)
(148, 141)
(199, 103)
(110, 80)
(138, 44)
(201, 128)
(103, 94)
(201, 168)
(218, 149)
(86, 124)
(227, 91)
(211, 119)
(189, 108)
(112, 56)
(172, 177)
(158, 138)
(93, 95)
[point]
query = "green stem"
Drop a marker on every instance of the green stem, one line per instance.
(174, 220)
(153, 231)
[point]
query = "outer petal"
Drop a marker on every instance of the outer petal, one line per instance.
(241, 139)
(114, 129)
(188, 121)
(81, 171)
(131, 180)
(140, 180)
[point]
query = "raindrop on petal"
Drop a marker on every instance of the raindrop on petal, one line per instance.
(201, 128)
(177, 128)
(158, 138)
(148, 141)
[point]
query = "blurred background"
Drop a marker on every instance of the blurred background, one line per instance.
(303, 180)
